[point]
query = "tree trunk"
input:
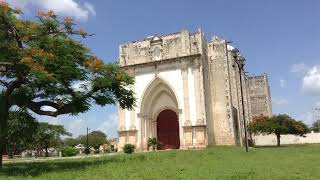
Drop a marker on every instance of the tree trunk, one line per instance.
(47, 153)
(1, 152)
(10, 150)
(4, 112)
(3, 132)
(278, 139)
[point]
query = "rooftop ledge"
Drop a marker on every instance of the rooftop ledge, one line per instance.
(161, 61)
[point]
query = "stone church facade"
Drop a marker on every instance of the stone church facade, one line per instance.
(188, 92)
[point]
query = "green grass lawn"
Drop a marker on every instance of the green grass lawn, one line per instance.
(291, 162)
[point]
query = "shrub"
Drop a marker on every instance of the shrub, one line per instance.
(152, 142)
(108, 149)
(69, 151)
(129, 148)
(96, 151)
(87, 150)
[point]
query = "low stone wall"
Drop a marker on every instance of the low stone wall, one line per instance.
(268, 140)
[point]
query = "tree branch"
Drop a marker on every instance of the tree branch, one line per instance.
(60, 109)
(13, 85)
(4, 83)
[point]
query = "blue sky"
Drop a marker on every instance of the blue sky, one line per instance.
(280, 38)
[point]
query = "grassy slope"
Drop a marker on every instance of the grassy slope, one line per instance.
(293, 162)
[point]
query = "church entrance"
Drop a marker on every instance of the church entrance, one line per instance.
(168, 130)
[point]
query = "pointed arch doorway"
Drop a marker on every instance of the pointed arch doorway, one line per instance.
(159, 116)
(168, 130)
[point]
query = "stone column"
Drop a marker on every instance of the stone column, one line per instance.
(184, 71)
(148, 128)
(154, 129)
(122, 139)
(122, 116)
(202, 104)
(196, 78)
(142, 128)
(181, 134)
(132, 120)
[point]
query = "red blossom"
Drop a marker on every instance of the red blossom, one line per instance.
(49, 13)
(82, 32)
(26, 60)
(4, 6)
(50, 56)
(68, 20)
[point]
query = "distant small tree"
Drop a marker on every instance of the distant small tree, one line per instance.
(278, 125)
(72, 142)
(96, 139)
(22, 128)
(316, 126)
(49, 135)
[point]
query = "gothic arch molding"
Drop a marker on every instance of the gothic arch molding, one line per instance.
(157, 87)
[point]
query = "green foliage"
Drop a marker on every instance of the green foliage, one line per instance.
(96, 139)
(87, 150)
(129, 148)
(280, 124)
(71, 142)
(22, 128)
(316, 126)
(49, 135)
(45, 63)
(42, 65)
(109, 149)
(69, 151)
(152, 142)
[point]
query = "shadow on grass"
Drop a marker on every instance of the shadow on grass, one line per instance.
(38, 168)
(282, 146)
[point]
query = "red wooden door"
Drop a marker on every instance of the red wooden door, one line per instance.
(168, 130)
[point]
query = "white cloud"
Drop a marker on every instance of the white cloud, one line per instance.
(279, 101)
(48, 108)
(311, 81)
(110, 125)
(283, 83)
(75, 125)
(310, 78)
(299, 68)
(49, 119)
(318, 104)
(70, 8)
(306, 117)
(90, 8)
(82, 86)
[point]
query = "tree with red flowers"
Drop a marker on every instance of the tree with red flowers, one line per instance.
(41, 65)
(278, 125)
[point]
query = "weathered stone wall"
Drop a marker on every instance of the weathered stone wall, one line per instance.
(260, 98)
(219, 76)
(199, 80)
(157, 48)
(270, 140)
(235, 96)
